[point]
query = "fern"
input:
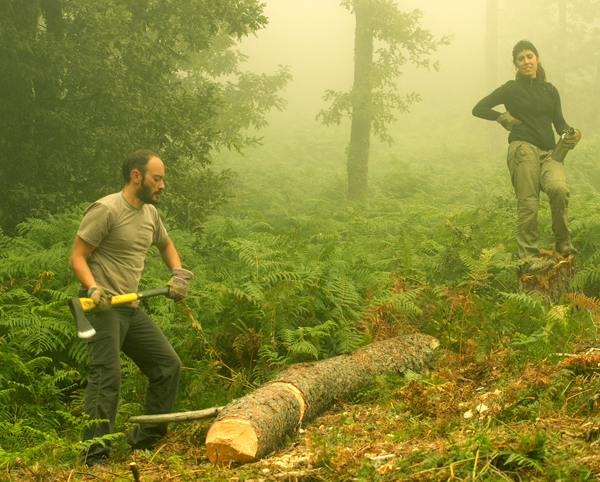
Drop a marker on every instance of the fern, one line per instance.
(291, 277)
(592, 304)
(531, 300)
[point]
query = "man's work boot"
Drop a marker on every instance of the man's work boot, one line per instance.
(566, 249)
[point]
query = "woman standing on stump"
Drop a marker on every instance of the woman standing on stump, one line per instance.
(532, 106)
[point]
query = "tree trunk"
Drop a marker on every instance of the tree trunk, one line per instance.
(47, 85)
(361, 98)
(561, 39)
(491, 67)
(594, 100)
(253, 426)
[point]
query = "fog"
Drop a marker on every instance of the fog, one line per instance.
(316, 39)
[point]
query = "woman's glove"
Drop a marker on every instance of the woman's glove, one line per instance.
(508, 121)
(100, 297)
(571, 140)
(178, 284)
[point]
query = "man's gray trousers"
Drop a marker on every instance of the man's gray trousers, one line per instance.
(132, 331)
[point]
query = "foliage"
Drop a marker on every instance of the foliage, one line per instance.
(39, 368)
(298, 274)
(84, 83)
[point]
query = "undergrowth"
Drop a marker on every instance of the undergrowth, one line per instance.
(301, 274)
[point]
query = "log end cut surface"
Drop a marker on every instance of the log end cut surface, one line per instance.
(231, 440)
(251, 427)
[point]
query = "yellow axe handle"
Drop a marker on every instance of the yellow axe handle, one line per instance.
(88, 303)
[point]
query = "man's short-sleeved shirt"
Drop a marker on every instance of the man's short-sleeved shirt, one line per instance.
(122, 235)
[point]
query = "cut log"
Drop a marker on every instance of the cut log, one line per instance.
(551, 283)
(253, 426)
(177, 417)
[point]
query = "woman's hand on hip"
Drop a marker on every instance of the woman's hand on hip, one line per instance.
(508, 121)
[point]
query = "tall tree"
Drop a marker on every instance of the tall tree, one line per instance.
(586, 59)
(491, 63)
(561, 43)
(374, 95)
(84, 82)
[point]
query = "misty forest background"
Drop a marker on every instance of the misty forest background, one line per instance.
(244, 102)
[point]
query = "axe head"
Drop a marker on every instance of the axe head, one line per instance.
(84, 329)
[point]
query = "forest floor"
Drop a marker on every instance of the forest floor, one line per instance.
(513, 395)
(462, 421)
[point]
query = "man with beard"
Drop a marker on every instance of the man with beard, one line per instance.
(107, 258)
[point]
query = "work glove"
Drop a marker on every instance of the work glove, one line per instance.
(508, 121)
(571, 140)
(178, 284)
(100, 297)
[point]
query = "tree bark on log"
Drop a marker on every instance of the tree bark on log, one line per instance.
(255, 425)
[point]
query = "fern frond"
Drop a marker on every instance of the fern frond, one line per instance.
(579, 300)
(532, 300)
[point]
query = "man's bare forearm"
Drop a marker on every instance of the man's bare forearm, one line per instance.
(82, 272)
(169, 255)
(78, 262)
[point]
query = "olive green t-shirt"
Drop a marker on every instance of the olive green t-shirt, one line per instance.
(122, 235)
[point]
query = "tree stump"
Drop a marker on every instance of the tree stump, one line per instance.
(253, 426)
(553, 282)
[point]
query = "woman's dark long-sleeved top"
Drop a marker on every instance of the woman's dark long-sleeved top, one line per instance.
(536, 104)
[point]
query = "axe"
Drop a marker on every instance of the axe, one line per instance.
(79, 306)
